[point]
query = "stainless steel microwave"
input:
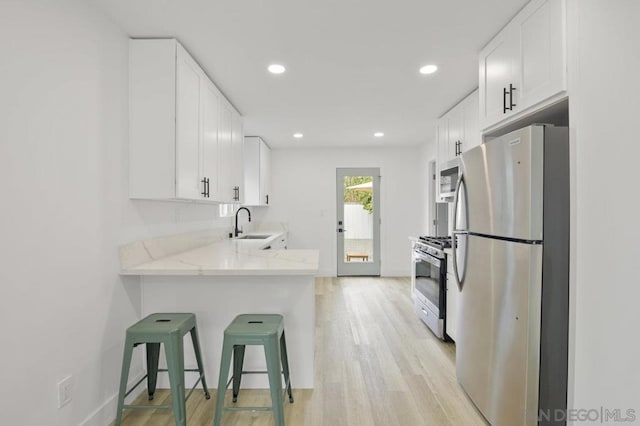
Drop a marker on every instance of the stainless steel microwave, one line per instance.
(449, 173)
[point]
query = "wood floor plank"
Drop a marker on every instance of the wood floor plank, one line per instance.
(376, 364)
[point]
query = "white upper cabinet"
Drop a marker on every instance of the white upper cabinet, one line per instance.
(257, 172)
(525, 64)
(458, 131)
(180, 140)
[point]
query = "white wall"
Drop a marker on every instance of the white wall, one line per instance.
(303, 187)
(604, 111)
(63, 173)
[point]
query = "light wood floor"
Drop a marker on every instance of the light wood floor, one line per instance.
(376, 364)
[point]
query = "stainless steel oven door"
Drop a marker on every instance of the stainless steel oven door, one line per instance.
(427, 285)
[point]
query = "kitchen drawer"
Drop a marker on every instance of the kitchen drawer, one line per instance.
(429, 318)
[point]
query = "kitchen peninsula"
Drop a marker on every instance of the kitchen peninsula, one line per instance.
(217, 279)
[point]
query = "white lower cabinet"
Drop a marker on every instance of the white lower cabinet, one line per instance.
(185, 141)
(257, 171)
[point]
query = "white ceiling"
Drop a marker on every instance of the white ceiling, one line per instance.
(352, 65)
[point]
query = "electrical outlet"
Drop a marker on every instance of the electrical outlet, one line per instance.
(65, 386)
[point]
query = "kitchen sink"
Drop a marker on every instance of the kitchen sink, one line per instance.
(254, 237)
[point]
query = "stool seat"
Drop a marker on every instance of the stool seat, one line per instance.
(167, 329)
(158, 325)
(255, 325)
(266, 330)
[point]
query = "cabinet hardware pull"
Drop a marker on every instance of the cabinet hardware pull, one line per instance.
(511, 89)
(504, 100)
(267, 198)
(208, 187)
(204, 187)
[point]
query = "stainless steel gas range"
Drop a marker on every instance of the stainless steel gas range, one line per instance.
(429, 280)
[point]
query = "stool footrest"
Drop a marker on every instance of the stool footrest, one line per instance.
(247, 408)
(155, 407)
(250, 372)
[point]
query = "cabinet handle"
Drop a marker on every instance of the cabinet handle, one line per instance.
(267, 198)
(204, 187)
(236, 193)
(208, 187)
(504, 100)
(511, 89)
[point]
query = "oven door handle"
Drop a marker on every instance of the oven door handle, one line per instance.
(428, 258)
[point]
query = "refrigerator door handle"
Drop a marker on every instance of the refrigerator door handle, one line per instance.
(456, 273)
(456, 232)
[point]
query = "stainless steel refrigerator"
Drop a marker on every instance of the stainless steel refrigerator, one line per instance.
(511, 261)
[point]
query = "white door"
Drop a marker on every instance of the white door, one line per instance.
(358, 221)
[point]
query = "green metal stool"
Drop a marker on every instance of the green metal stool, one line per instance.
(255, 329)
(168, 329)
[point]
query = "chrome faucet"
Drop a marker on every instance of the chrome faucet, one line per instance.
(236, 230)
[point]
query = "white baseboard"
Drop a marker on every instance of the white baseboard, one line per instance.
(396, 274)
(106, 413)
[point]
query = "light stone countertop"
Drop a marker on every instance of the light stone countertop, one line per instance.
(227, 257)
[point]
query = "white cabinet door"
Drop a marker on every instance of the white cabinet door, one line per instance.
(543, 70)
(188, 185)
(499, 70)
(209, 139)
(265, 173)
(443, 140)
(257, 172)
(472, 135)
(237, 158)
(251, 170)
(225, 188)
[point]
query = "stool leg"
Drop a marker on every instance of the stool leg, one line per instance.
(272, 354)
(196, 348)
(174, 352)
(124, 377)
(225, 361)
(153, 356)
(285, 365)
(238, 362)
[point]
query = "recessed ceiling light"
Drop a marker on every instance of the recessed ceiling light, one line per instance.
(298, 135)
(276, 69)
(378, 134)
(428, 69)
